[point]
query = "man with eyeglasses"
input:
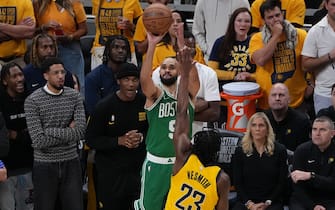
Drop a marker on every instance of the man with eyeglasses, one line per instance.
(56, 122)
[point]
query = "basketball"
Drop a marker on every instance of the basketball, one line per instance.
(157, 18)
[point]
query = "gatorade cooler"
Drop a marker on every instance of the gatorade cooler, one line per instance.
(241, 97)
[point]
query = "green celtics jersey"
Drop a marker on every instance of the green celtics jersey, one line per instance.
(161, 118)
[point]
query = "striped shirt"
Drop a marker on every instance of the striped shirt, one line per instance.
(48, 118)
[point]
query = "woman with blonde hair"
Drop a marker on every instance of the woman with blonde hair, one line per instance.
(260, 169)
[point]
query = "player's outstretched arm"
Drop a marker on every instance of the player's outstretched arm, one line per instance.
(181, 135)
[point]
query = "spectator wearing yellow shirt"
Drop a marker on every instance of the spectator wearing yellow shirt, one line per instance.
(114, 18)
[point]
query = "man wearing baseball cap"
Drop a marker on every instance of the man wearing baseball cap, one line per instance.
(116, 130)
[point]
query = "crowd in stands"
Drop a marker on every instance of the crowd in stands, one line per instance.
(105, 139)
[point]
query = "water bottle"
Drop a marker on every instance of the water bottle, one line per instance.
(2, 165)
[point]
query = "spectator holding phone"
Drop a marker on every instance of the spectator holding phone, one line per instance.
(66, 20)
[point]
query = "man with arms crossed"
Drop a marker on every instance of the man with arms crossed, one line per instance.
(56, 122)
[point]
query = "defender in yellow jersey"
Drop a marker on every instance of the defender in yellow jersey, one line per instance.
(196, 182)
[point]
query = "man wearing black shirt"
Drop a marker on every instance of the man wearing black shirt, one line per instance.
(17, 190)
(314, 169)
(116, 130)
(290, 126)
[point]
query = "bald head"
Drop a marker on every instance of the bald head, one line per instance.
(279, 97)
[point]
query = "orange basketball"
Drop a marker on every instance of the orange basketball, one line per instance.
(157, 18)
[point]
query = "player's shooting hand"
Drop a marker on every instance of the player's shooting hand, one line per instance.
(154, 39)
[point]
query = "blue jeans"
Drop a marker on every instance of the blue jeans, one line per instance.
(16, 193)
(62, 179)
(73, 59)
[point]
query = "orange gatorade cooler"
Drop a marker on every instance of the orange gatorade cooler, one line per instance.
(241, 103)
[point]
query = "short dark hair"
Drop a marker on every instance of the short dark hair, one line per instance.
(127, 69)
(5, 71)
(49, 62)
(269, 5)
(206, 146)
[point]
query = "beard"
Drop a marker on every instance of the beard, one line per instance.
(118, 60)
(168, 82)
(59, 87)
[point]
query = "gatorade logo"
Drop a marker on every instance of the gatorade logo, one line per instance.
(238, 109)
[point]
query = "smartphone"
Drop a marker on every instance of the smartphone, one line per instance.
(59, 32)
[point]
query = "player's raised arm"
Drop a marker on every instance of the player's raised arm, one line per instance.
(149, 89)
(182, 127)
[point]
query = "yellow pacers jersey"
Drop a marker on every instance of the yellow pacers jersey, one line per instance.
(193, 187)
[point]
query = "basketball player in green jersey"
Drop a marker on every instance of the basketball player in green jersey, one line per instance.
(161, 104)
(196, 182)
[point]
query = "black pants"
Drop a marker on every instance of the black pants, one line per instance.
(62, 180)
(117, 190)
